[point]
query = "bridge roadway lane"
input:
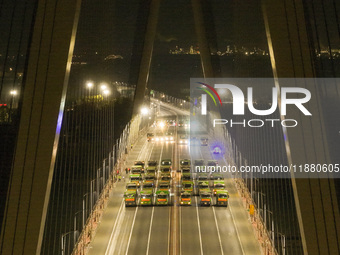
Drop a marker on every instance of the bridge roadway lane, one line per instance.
(190, 236)
(237, 235)
(145, 230)
(151, 231)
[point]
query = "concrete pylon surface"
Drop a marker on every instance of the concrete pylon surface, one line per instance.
(45, 86)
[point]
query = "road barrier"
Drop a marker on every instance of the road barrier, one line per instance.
(121, 149)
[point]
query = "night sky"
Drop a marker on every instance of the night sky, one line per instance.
(109, 26)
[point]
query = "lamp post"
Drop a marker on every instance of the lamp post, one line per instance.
(283, 242)
(62, 241)
(85, 205)
(92, 186)
(106, 92)
(144, 112)
(258, 200)
(272, 221)
(83, 218)
(13, 94)
(75, 223)
(103, 86)
(89, 84)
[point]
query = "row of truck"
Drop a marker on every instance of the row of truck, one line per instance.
(147, 185)
(209, 187)
(151, 185)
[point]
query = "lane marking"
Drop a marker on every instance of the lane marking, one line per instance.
(109, 246)
(159, 165)
(199, 227)
(142, 154)
(175, 207)
(218, 231)
(180, 230)
(174, 210)
(238, 235)
(120, 215)
(133, 224)
(232, 216)
(153, 208)
(149, 237)
(169, 230)
(114, 237)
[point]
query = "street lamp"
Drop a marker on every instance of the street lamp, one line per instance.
(13, 92)
(103, 87)
(75, 219)
(260, 205)
(106, 92)
(62, 241)
(92, 192)
(272, 227)
(86, 202)
(283, 242)
(144, 111)
(89, 84)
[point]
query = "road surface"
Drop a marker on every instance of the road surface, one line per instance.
(173, 229)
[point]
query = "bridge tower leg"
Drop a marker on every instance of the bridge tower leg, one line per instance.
(315, 199)
(45, 85)
(145, 63)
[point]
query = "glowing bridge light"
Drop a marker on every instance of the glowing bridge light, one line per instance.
(103, 86)
(89, 84)
(144, 111)
(13, 92)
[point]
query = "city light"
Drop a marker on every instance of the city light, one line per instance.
(144, 111)
(89, 84)
(106, 92)
(103, 86)
(13, 92)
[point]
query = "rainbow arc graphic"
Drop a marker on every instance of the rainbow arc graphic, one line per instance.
(209, 93)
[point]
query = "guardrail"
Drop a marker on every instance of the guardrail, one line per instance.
(128, 137)
(132, 131)
(261, 232)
